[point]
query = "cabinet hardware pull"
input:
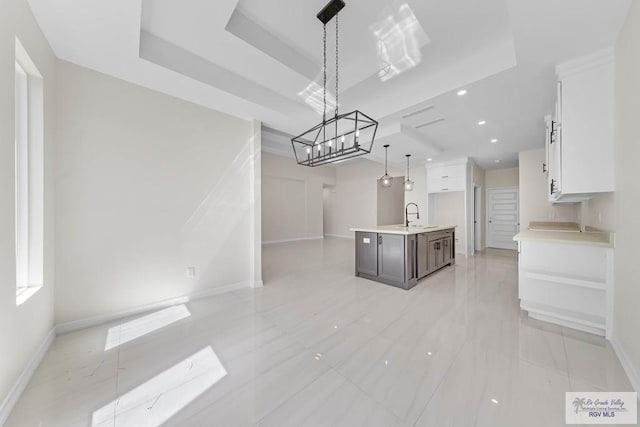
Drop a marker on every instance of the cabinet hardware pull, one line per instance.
(544, 168)
(445, 176)
(445, 189)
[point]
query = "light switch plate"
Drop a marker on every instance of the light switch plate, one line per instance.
(366, 240)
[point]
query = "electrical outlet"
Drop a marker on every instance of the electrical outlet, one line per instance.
(191, 272)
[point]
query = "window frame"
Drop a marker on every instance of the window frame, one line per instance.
(29, 175)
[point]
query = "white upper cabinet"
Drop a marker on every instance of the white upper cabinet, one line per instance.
(580, 137)
(444, 178)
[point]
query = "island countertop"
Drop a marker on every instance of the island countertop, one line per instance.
(401, 229)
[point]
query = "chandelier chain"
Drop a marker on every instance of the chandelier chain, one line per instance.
(337, 63)
(324, 73)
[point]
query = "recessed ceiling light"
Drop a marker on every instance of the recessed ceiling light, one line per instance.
(497, 160)
(482, 122)
(494, 401)
(462, 92)
(429, 354)
(429, 159)
(494, 140)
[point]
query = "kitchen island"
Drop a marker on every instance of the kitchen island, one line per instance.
(400, 256)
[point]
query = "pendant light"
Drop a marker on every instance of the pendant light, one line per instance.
(408, 184)
(342, 136)
(385, 180)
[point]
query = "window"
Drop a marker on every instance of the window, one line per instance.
(29, 176)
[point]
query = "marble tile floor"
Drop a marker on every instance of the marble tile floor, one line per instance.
(319, 347)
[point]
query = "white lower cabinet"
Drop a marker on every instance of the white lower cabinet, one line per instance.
(566, 284)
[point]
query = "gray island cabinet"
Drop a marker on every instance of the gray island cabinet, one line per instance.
(400, 256)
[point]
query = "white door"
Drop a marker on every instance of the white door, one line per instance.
(502, 217)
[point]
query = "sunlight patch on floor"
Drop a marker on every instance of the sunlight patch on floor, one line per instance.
(136, 328)
(161, 397)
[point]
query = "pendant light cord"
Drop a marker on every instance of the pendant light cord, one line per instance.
(385, 159)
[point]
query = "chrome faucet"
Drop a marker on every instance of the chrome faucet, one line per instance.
(406, 213)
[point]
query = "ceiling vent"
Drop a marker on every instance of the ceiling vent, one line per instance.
(429, 123)
(422, 110)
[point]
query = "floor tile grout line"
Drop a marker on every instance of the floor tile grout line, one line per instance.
(297, 393)
(566, 356)
(446, 373)
(240, 386)
(116, 397)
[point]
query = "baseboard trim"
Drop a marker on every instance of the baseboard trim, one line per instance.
(340, 236)
(632, 374)
(24, 378)
(298, 239)
(74, 325)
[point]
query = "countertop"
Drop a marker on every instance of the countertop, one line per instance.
(554, 226)
(589, 238)
(401, 229)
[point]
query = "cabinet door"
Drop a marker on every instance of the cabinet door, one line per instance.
(447, 248)
(367, 253)
(446, 178)
(433, 263)
(587, 128)
(422, 255)
(555, 161)
(391, 257)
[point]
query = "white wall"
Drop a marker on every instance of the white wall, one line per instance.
(292, 198)
(600, 212)
(146, 186)
(534, 202)
(353, 200)
(390, 202)
(448, 209)
(627, 199)
(502, 178)
(22, 328)
(419, 194)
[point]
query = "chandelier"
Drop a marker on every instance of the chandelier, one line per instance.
(342, 136)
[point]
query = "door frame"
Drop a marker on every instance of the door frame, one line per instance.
(512, 187)
(477, 218)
